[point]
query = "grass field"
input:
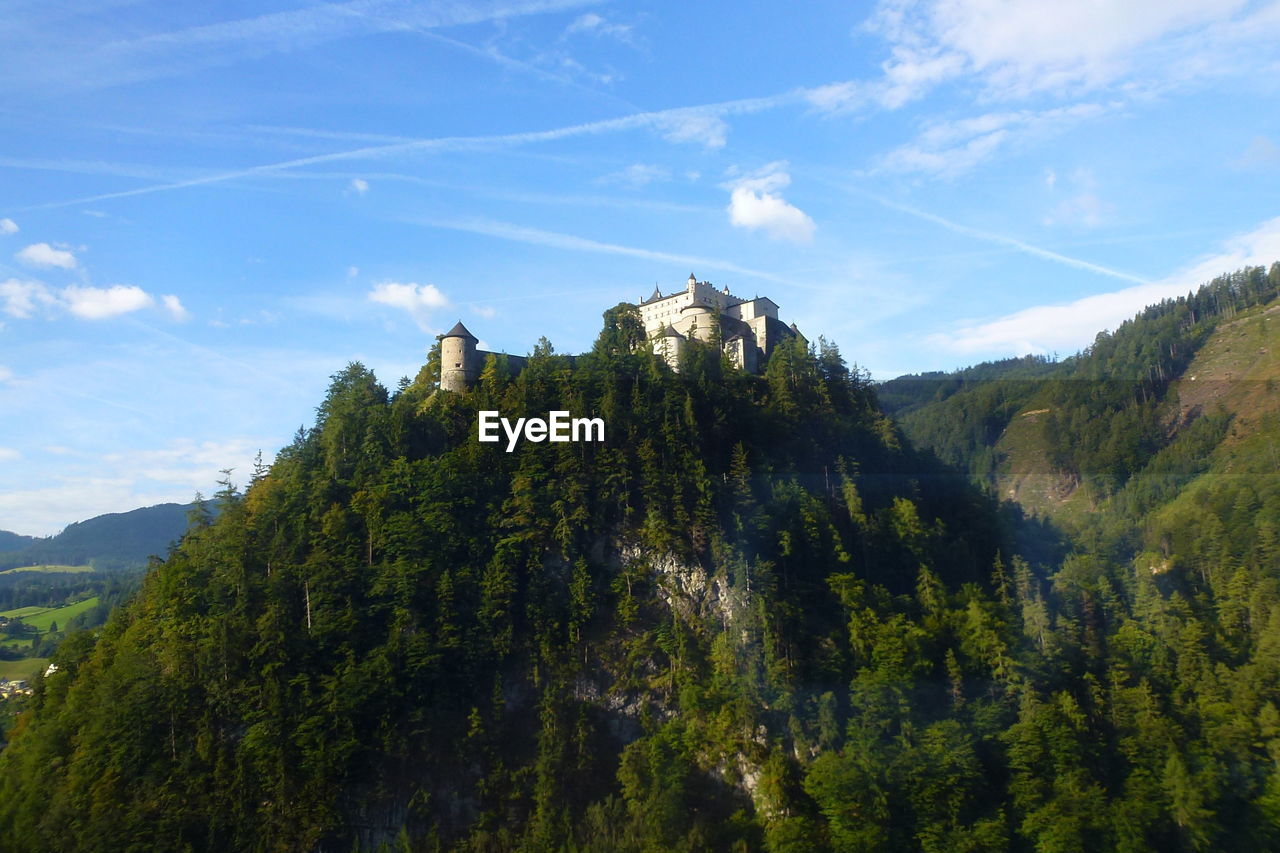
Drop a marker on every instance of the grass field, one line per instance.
(43, 617)
(25, 668)
(61, 615)
(18, 643)
(67, 570)
(23, 612)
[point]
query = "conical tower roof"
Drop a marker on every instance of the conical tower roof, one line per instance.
(669, 331)
(459, 331)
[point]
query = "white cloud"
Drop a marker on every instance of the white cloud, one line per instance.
(418, 300)
(100, 303)
(753, 203)
(5, 374)
(638, 174)
(8, 453)
(486, 311)
(359, 186)
(1068, 327)
(44, 255)
(22, 298)
(353, 271)
(8, 226)
(174, 306)
(948, 148)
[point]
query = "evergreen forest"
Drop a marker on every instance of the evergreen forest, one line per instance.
(789, 612)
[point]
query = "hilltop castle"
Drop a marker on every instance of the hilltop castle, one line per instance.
(747, 329)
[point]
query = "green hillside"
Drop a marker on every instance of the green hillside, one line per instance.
(22, 669)
(47, 617)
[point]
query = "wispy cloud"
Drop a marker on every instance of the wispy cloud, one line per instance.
(181, 51)
(701, 124)
(8, 226)
(949, 148)
(598, 25)
(141, 171)
(552, 239)
(1083, 206)
(1070, 326)
(1261, 153)
(1002, 239)
(637, 175)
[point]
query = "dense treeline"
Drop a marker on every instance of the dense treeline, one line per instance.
(753, 618)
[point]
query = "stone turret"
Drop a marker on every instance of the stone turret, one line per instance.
(704, 318)
(459, 360)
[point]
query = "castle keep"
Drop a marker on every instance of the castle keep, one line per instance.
(747, 329)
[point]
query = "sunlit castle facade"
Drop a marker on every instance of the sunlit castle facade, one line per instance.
(748, 329)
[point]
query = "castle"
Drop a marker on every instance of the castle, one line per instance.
(748, 330)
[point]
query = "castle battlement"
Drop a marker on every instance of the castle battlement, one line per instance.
(747, 329)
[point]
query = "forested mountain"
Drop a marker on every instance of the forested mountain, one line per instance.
(1064, 438)
(753, 618)
(117, 540)
(14, 541)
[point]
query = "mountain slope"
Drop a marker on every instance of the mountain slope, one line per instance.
(1062, 439)
(14, 541)
(116, 540)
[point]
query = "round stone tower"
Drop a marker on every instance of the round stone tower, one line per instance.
(459, 362)
(704, 319)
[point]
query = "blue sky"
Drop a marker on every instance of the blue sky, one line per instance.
(208, 209)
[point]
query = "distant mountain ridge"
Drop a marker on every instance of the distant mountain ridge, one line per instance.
(111, 542)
